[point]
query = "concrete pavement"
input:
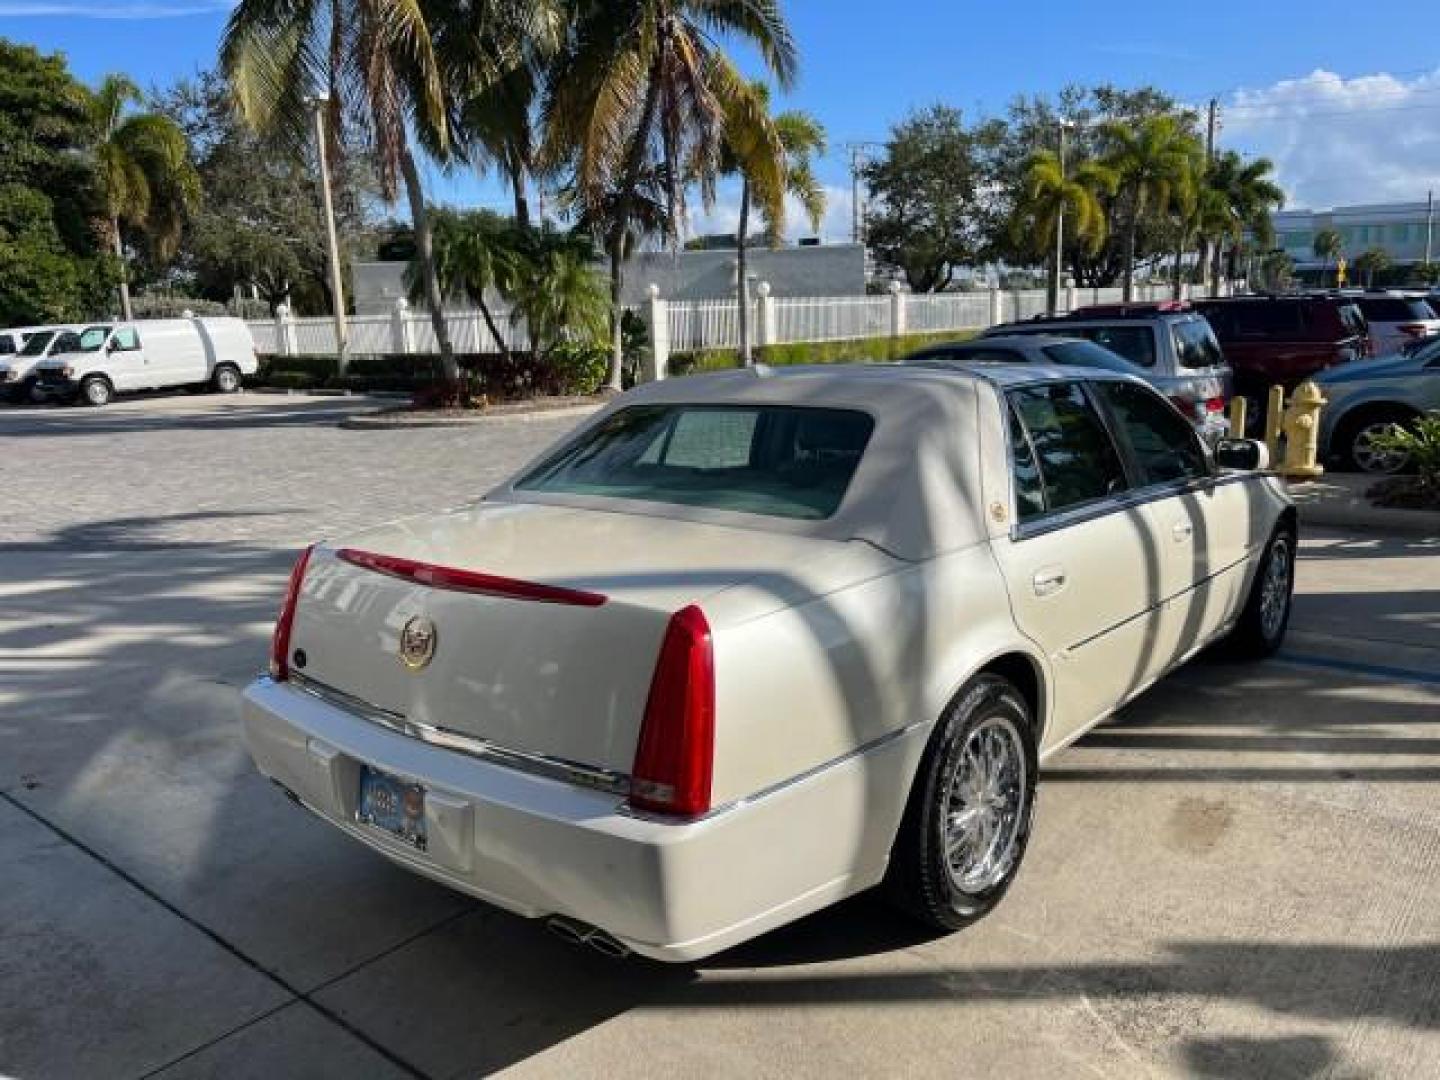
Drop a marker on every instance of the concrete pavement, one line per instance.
(1234, 878)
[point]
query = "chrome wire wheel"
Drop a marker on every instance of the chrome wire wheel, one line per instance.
(1275, 588)
(1369, 457)
(984, 805)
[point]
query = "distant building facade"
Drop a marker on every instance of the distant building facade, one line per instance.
(820, 270)
(1399, 229)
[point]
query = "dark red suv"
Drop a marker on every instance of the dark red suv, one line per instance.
(1285, 339)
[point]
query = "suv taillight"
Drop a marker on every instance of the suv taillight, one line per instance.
(1417, 330)
(280, 641)
(675, 756)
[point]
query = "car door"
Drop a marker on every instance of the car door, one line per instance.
(1081, 563)
(125, 360)
(1200, 519)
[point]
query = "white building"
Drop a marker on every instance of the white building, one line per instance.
(1400, 229)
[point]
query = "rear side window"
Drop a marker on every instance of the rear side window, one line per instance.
(1077, 461)
(126, 339)
(1029, 489)
(7, 344)
(1267, 319)
(1163, 442)
(1195, 344)
(1393, 309)
(1134, 343)
(774, 460)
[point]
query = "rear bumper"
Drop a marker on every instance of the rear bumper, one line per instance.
(538, 846)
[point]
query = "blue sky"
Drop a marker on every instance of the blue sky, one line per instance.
(1345, 99)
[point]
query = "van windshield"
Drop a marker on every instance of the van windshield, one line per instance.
(88, 340)
(35, 343)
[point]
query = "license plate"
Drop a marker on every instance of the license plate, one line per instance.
(389, 803)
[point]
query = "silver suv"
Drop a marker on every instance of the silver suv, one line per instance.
(1170, 342)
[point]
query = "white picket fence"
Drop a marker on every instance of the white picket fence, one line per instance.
(690, 325)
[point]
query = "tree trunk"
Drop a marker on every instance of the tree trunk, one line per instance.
(126, 312)
(630, 179)
(1215, 268)
(1202, 262)
(425, 249)
(1127, 281)
(494, 330)
(742, 282)
(522, 201)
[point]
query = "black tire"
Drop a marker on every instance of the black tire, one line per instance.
(1353, 433)
(1257, 635)
(96, 391)
(921, 880)
(226, 379)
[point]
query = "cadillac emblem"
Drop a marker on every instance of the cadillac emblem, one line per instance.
(417, 642)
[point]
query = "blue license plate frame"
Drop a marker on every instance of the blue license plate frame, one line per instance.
(392, 805)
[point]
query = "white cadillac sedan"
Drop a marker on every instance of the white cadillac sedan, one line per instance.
(744, 644)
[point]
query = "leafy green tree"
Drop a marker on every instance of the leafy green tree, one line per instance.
(773, 157)
(1050, 192)
(1277, 269)
(262, 224)
(386, 87)
(928, 198)
(1152, 164)
(557, 290)
(1328, 246)
(475, 253)
(52, 265)
(143, 166)
(1241, 197)
(645, 83)
(1372, 263)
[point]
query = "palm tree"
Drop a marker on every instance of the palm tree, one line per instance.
(474, 252)
(147, 179)
(1244, 197)
(644, 82)
(378, 60)
(1329, 245)
(558, 292)
(1150, 162)
(1372, 261)
(1047, 194)
(773, 157)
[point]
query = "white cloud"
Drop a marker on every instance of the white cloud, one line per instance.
(724, 216)
(120, 9)
(1337, 141)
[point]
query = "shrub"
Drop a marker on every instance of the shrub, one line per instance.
(862, 350)
(1420, 443)
(173, 307)
(291, 380)
(580, 367)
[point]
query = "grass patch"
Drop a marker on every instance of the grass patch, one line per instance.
(859, 351)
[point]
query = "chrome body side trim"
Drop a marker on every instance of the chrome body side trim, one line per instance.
(554, 768)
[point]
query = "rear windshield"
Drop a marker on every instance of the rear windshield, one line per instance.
(35, 343)
(1394, 309)
(756, 459)
(1195, 344)
(1086, 354)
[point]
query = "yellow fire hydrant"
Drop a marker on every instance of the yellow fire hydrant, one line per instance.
(1301, 426)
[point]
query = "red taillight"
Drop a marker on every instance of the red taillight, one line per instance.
(280, 642)
(1413, 329)
(675, 757)
(1214, 404)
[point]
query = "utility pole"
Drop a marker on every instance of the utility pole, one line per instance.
(1212, 110)
(1429, 223)
(1057, 269)
(337, 284)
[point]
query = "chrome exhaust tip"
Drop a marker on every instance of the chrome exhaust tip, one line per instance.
(575, 932)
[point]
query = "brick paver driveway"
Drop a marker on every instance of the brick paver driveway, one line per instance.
(1237, 877)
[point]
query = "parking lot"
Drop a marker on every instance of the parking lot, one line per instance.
(1237, 876)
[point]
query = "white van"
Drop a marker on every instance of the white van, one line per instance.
(98, 362)
(20, 350)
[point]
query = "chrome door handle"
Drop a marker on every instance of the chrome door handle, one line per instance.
(1182, 530)
(1050, 579)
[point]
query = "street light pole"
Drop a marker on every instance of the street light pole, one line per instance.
(1055, 271)
(337, 283)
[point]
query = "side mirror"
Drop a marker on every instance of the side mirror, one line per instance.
(1250, 455)
(112, 345)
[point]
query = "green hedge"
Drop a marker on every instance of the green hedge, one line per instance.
(567, 370)
(862, 350)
